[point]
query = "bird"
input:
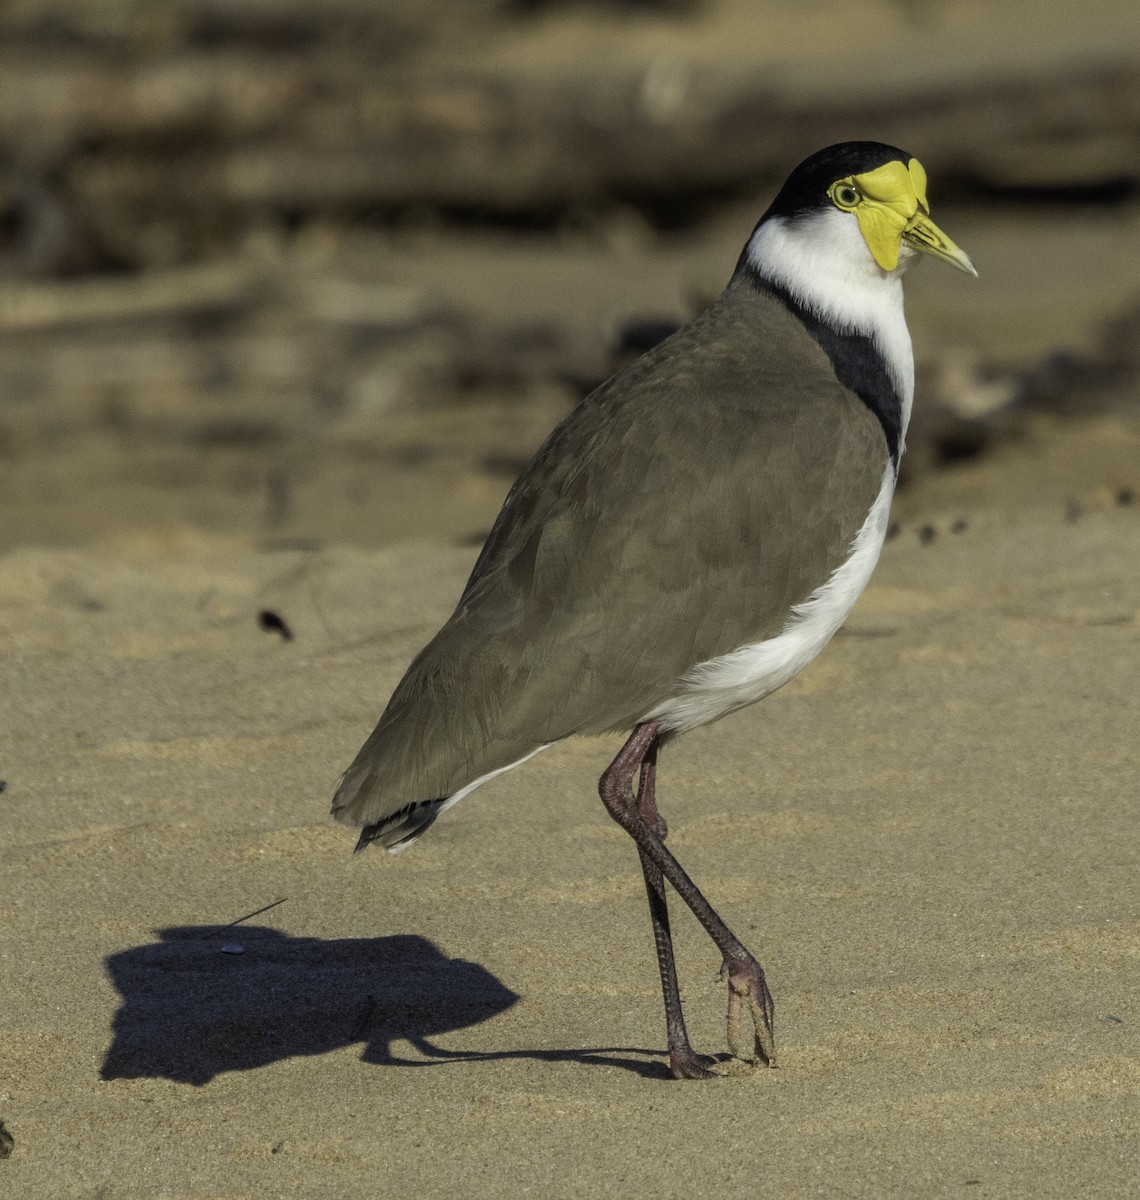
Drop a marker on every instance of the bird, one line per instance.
(683, 543)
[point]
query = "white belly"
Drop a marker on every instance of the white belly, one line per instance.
(712, 689)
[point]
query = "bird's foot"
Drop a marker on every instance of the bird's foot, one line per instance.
(747, 988)
(686, 1063)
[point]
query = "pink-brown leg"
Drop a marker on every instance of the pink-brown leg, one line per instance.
(747, 988)
(684, 1061)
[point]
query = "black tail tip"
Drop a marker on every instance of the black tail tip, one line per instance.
(367, 835)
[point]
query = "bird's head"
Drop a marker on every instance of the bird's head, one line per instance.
(862, 206)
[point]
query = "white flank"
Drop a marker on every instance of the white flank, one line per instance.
(823, 261)
(714, 688)
(455, 797)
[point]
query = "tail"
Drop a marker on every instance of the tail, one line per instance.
(430, 742)
(379, 792)
(399, 830)
(359, 800)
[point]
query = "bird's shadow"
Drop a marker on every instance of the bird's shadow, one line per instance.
(204, 999)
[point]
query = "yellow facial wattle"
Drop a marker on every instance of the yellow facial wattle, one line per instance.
(891, 207)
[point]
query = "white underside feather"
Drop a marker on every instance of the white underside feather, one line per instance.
(455, 797)
(714, 688)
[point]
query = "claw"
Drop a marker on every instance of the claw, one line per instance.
(686, 1063)
(746, 985)
(735, 1042)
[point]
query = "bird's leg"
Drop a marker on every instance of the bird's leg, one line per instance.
(684, 1061)
(746, 982)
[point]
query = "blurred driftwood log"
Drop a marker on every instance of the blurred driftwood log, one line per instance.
(166, 130)
(266, 265)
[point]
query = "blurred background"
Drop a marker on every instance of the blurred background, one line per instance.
(285, 273)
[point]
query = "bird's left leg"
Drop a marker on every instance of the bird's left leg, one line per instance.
(748, 989)
(684, 1061)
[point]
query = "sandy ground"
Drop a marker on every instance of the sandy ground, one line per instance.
(928, 838)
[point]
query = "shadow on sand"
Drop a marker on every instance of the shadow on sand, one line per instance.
(193, 1006)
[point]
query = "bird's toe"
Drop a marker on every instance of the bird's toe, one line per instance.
(686, 1063)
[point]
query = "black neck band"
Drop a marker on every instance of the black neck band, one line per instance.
(854, 358)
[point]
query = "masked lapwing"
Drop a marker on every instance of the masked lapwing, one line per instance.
(685, 542)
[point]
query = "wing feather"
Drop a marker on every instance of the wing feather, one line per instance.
(677, 514)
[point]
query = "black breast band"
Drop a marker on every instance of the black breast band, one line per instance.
(854, 358)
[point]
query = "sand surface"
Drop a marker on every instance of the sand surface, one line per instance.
(928, 838)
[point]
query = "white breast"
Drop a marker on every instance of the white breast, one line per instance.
(714, 688)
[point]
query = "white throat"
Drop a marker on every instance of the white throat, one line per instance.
(823, 262)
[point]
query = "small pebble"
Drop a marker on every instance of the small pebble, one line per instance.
(273, 622)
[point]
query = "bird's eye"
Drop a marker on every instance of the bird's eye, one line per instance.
(844, 195)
